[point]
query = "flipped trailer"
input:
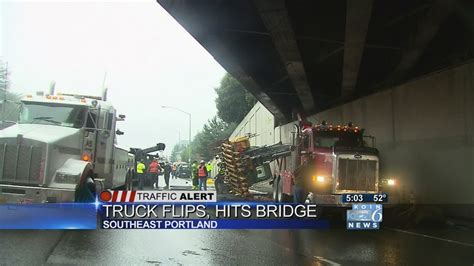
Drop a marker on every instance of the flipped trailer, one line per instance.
(244, 165)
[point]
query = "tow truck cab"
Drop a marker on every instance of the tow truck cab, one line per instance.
(60, 142)
(343, 163)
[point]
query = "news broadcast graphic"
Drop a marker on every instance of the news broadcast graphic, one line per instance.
(157, 196)
(215, 224)
(365, 198)
(364, 217)
(199, 210)
(161, 210)
(48, 216)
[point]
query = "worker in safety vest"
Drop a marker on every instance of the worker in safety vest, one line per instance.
(219, 180)
(202, 175)
(209, 169)
(141, 174)
(194, 169)
(154, 169)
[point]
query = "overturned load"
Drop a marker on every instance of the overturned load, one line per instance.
(245, 165)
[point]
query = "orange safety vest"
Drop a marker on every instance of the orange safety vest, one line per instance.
(153, 167)
(202, 171)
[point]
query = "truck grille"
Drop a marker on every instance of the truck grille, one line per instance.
(20, 163)
(357, 174)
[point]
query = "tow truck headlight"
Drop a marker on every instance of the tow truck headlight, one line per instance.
(389, 182)
(319, 179)
(66, 178)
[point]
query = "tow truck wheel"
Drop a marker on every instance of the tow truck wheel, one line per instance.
(282, 197)
(275, 189)
(129, 182)
(86, 191)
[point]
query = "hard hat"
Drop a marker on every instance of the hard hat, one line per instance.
(202, 161)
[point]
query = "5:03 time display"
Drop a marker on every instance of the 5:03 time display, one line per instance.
(365, 198)
(353, 198)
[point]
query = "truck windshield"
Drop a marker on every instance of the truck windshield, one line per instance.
(331, 139)
(52, 114)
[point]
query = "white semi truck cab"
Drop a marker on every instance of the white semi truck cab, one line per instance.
(63, 145)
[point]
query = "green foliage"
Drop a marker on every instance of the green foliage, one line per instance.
(175, 151)
(185, 153)
(204, 143)
(233, 101)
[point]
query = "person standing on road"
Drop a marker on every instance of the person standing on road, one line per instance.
(202, 175)
(219, 180)
(141, 174)
(301, 180)
(167, 172)
(173, 171)
(194, 169)
(209, 169)
(154, 170)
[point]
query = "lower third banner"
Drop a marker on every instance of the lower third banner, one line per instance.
(214, 224)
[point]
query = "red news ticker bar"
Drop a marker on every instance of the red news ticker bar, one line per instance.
(114, 197)
(132, 196)
(124, 196)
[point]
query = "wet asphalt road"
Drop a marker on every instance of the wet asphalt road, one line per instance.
(452, 246)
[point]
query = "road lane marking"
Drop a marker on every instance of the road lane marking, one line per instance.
(330, 262)
(432, 237)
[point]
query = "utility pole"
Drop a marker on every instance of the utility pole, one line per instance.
(190, 117)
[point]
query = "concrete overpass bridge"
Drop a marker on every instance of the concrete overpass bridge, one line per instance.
(402, 69)
(313, 55)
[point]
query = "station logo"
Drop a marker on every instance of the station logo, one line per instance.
(364, 217)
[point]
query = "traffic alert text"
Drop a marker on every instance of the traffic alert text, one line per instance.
(123, 196)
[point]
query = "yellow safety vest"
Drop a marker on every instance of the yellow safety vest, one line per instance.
(141, 168)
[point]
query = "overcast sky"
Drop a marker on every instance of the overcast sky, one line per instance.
(149, 58)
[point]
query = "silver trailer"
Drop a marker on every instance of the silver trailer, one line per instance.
(62, 149)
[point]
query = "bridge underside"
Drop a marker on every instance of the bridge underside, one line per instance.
(310, 55)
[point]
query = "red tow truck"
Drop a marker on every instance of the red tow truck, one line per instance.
(343, 163)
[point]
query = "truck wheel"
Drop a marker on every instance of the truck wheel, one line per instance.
(128, 182)
(86, 191)
(282, 197)
(275, 189)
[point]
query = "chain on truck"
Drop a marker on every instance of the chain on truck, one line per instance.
(62, 149)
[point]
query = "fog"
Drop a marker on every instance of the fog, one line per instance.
(150, 61)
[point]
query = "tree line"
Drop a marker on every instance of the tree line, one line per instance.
(9, 107)
(233, 102)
